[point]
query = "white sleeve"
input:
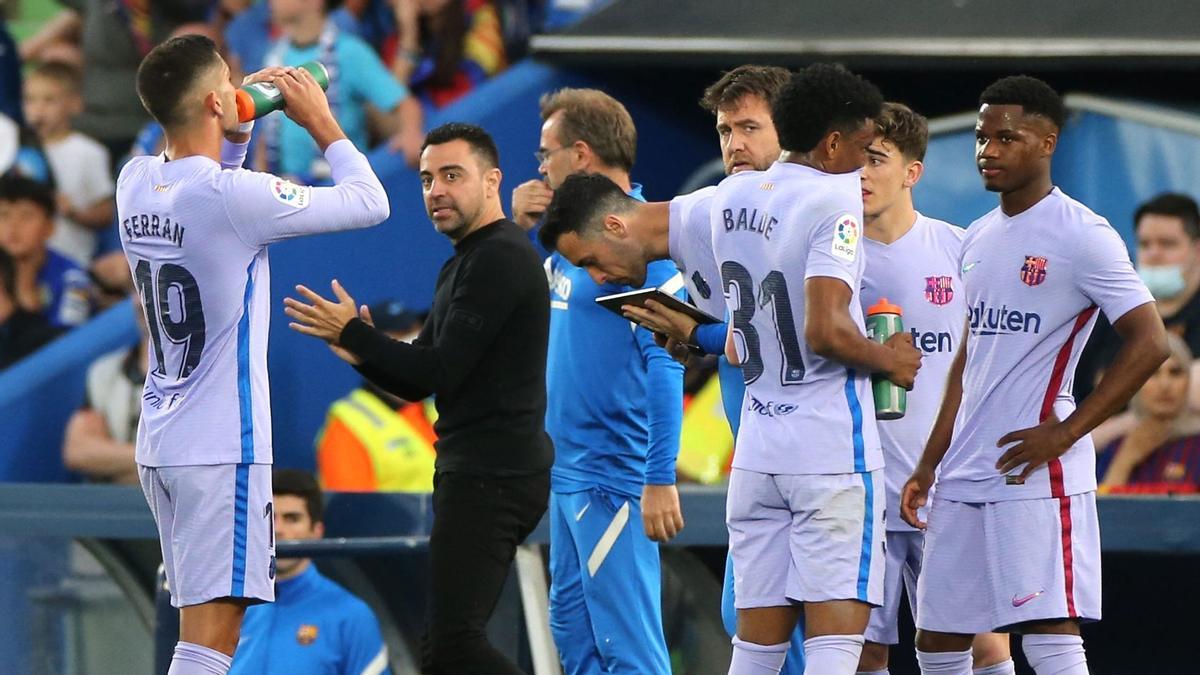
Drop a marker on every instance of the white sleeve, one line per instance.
(1104, 274)
(834, 248)
(265, 208)
(233, 155)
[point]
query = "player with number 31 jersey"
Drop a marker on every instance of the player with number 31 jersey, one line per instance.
(806, 496)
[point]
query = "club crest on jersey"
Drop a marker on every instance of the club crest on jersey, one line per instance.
(1033, 272)
(287, 192)
(845, 237)
(307, 634)
(939, 290)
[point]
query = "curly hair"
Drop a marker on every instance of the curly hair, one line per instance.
(820, 99)
(1033, 95)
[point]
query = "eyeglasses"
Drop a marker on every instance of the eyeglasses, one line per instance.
(542, 155)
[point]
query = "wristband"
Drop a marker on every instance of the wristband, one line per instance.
(245, 127)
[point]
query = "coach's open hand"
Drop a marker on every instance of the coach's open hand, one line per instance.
(661, 515)
(323, 318)
(1034, 446)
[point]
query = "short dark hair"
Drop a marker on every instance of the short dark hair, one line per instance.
(63, 73)
(1175, 205)
(300, 484)
(904, 128)
(1033, 95)
(15, 188)
(764, 82)
(8, 274)
(480, 141)
(820, 99)
(169, 71)
(594, 117)
(579, 205)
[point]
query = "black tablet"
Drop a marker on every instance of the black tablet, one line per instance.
(639, 297)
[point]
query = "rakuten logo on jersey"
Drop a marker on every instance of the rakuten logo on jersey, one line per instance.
(1003, 321)
(932, 342)
(770, 408)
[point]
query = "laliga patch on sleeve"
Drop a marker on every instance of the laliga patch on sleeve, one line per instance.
(287, 192)
(846, 234)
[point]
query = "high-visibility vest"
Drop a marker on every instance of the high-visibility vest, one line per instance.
(705, 442)
(367, 446)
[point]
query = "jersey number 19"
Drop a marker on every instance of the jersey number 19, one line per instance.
(175, 287)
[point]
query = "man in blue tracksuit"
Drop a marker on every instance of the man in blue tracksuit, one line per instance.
(615, 402)
(314, 627)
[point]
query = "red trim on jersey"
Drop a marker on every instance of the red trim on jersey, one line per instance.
(1064, 515)
(1057, 488)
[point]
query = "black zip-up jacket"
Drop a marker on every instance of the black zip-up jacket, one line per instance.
(481, 353)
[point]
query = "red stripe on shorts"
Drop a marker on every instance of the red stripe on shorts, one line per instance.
(1057, 488)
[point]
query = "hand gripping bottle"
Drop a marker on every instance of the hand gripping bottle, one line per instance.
(258, 99)
(883, 321)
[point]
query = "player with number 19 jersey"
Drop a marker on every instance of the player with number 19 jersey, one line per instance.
(771, 232)
(195, 233)
(806, 497)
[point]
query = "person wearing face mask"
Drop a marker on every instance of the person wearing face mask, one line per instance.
(1161, 452)
(375, 441)
(1167, 228)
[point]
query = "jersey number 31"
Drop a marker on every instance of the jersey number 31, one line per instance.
(772, 291)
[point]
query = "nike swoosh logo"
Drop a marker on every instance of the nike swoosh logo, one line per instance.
(1017, 602)
(579, 516)
(969, 266)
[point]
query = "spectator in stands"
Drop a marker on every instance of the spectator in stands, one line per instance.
(373, 440)
(1161, 453)
(250, 32)
(46, 281)
(81, 165)
(100, 435)
(112, 38)
(445, 48)
(21, 153)
(357, 77)
(1168, 259)
(22, 332)
(314, 626)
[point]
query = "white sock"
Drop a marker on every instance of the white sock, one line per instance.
(1055, 654)
(754, 659)
(873, 672)
(1002, 668)
(194, 659)
(944, 663)
(832, 654)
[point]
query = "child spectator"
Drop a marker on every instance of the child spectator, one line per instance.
(46, 282)
(80, 164)
(357, 77)
(21, 332)
(1161, 453)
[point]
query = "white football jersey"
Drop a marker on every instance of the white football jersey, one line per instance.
(195, 235)
(689, 237)
(919, 273)
(1033, 283)
(771, 232)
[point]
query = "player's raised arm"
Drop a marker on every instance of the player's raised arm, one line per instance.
(270, 209)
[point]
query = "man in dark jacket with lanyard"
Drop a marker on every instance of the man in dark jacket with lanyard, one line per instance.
(482, 353)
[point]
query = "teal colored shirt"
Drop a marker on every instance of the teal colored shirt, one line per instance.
(361, 78)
